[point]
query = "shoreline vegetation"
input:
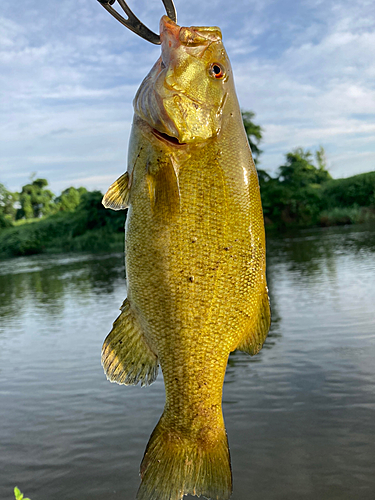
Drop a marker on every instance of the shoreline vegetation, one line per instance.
(87, 227)
(302, 194)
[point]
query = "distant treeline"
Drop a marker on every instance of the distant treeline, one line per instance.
(304, 194)
(301, 194)
(77, 220)
(81, 225)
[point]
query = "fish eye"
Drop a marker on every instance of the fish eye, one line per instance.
(217, 71)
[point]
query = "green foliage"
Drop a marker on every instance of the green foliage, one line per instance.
(19, 495)
(7, 200)
(254, 134)
(283, 206)
(96, 240)
(35, 200)
(299, 172)
(7, 210)
(5, 221)
(346, 215)
(294, 196)
(89, 227)
(321, 159)
(69, 199)
(93, 215)
(301, 194)
(304, 194)
(356, 190)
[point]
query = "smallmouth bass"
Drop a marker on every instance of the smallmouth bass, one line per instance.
(195, 259)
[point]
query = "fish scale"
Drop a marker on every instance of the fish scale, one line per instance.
(199, 239)
(195, 260)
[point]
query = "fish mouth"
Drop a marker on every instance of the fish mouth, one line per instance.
(167, 138)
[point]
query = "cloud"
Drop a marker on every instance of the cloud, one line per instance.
(316, 90)
(66, 104)
(69, 72)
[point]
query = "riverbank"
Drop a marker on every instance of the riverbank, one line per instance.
(68, 232)
(48, 236)
(286, 206)
(88, 228)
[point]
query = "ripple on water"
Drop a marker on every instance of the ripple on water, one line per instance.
(300, 415)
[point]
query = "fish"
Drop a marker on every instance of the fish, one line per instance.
(195, 259)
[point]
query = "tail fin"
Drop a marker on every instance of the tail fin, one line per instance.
(174, 466)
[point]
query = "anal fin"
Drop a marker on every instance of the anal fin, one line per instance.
(254, 339)
(126, 357)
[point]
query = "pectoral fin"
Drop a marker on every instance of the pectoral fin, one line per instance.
(126, 357)
(253, 341)
(163, 190)
(117, 196)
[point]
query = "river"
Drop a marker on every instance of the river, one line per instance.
(300, 415)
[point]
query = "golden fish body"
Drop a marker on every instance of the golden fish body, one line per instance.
(195, 259)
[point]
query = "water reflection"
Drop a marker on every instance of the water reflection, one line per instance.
(299, 415)
(309, 251)
(46, 281)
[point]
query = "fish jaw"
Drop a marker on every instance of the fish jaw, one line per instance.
(182, 96)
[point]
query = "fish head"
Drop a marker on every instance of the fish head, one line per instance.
(184, 94)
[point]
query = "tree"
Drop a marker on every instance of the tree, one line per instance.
(7, 210)
(35, 200)
(93, 215)
(299, 171)
(69, 199)
(321, 160)
(7, 200)
(263, 177)
(295, 195)
(254, 134)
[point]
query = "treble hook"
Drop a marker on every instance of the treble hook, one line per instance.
(133, 23)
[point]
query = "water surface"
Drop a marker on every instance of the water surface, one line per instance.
(300, 415)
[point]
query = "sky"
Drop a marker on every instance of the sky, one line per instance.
(69, 72)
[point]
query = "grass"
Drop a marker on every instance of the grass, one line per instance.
(63, 232)
(347, 215)
(21, 222)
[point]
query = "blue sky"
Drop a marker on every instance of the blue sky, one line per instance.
(69, 72)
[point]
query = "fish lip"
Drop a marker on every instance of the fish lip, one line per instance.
(171, 140)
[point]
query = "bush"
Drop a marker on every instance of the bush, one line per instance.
(5, 221)
(90, 227)
(357, 190)
(284, 206)
(340, 216)
(94, 215)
